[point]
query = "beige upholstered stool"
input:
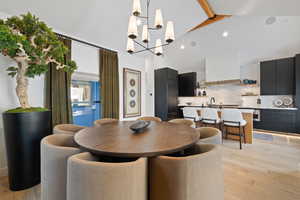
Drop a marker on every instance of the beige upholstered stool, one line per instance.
(148, 118)
(70, 129)
(100, 122)
(93, 178)
(183, 121)
(197, 175)
(55, 151)
(209, 135)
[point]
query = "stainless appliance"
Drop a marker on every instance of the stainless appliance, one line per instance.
(256, 115)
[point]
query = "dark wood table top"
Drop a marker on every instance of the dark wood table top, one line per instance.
(116, 139)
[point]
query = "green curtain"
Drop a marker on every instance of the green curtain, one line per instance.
(109, 82)
(58, 94)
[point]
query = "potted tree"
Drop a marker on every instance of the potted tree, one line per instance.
(32, 45)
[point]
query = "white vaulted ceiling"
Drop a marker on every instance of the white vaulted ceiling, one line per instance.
(104, 22)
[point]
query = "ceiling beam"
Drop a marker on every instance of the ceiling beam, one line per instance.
(207, 9)
(210, 21)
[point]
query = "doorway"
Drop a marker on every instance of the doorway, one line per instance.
(86, 103)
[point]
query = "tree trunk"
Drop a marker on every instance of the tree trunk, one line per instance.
(22, 85)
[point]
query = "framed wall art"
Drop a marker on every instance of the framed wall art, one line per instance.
(131, 93)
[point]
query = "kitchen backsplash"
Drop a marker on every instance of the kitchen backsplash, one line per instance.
(233, 95)
(223, 94)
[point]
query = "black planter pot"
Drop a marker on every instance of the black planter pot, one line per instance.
(23, 134)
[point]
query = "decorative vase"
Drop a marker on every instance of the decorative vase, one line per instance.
(23, 134)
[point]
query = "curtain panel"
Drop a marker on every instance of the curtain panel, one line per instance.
(109, 83)
(58, 91)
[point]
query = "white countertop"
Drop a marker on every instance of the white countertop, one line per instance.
(249, 108)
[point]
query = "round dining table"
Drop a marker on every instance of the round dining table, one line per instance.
(116, 139)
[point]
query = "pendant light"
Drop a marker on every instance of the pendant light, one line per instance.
(130, 46)
(136, 11)
(158, 47)
(170, 36)
(145, 34)
(132, 28)
(158, 19)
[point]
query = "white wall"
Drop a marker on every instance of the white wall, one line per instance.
(86, 58)
(136, 63)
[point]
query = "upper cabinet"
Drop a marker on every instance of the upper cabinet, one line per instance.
(187, 83)
(277, 77)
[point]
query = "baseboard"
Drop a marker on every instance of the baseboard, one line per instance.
(3, 172)
(276, 132)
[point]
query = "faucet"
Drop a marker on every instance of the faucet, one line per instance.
(212, 100)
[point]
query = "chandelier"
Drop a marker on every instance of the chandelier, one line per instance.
(158, 25)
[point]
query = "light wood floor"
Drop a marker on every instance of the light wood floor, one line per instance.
(268, 169)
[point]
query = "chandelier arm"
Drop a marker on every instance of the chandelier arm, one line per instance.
(146, 48)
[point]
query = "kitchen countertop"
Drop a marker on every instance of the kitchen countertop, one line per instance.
(240, 107)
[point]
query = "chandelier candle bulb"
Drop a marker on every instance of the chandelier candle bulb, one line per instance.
(170, 36)
(158, 47)
(132, 28)
(158, 19)
(145, 34)
(136, 11)
(130, 46)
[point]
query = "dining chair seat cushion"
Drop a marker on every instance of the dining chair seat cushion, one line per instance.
(55, 151)
(100, 122)
(188, 122)
(70, 129)
(242, 123)
(209, 135)
(150, 118)
(194, 176)
(96, 178)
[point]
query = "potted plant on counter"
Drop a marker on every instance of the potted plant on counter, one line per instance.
(32, 45)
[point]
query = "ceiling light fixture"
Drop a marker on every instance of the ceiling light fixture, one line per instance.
(225, 34)
(182, 47)
(135, 20)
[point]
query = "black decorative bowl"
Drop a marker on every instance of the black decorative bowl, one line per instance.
(139, 126)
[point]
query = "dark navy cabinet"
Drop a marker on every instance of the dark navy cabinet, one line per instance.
(187, 83)
(166, 93)
(277, 77)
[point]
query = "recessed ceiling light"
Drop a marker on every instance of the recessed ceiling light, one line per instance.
(193, 43)
(225, 34)
(138, 22)
(270, 20)
(182, 46)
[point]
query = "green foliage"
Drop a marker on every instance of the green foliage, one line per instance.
(25, 110)
(41, 45)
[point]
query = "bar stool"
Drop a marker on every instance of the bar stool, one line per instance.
(210, 117)
(191, 114)
(233, 118)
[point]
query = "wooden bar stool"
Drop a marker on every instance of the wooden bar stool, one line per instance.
(191, 114)
(233, 118)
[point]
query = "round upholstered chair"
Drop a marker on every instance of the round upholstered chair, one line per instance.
(187, 122)
(209, 135)
(69, 129)
(100, 122)
(148, 118)
(94, 178)
(55, 151)
(197, 174)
